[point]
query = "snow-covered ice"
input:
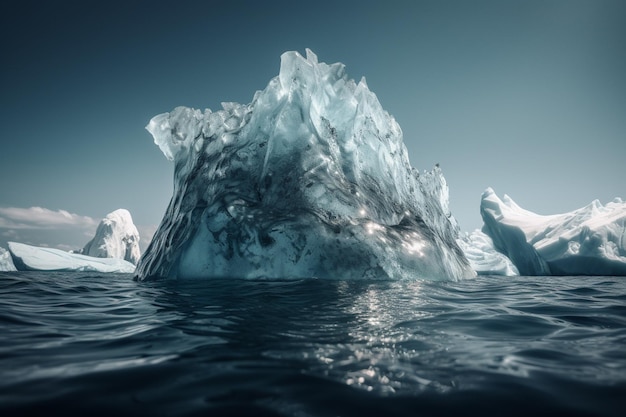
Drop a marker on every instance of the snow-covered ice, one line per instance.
(311, 179)
(587, 241)
(6, 262)
(114, 248)
(483, 257)
(116, 237)
(33, 258)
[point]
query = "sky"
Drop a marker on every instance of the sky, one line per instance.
(527, 97)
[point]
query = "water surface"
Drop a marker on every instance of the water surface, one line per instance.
(102, 344)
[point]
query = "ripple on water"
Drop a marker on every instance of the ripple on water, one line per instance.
(517, 346)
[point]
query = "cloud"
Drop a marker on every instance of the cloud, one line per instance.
(40, 226)
(9, 234)
(41, 218)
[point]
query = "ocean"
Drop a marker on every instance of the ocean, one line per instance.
(105, 345)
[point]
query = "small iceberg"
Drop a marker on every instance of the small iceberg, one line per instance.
(588, 241)
(116, 237)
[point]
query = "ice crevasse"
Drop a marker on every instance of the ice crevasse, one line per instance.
(311, 179)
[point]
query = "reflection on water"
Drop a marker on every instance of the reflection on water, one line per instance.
(312, 347)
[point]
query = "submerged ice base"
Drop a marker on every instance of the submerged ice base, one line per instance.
(311, 179)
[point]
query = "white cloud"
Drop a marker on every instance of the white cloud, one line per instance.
(41, 218)
(40, 226)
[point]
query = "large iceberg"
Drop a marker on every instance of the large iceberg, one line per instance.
(587, 241)
(116, 237)
(483, 257)
(33, 258)
(6, 262)
(311, 179)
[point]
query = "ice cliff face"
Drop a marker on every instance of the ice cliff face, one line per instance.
(587, 241)
(6, 262)
(116, 237)
(483, 257)
(311, 179)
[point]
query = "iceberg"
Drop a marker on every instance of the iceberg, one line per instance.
(587, 241)
(116, 237)
(6, 263)
(311, 179)
(33, 258)
(483, 257)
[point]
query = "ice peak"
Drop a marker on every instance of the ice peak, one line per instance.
(116, 237)
(310, 56)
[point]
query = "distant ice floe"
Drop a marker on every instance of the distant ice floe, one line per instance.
(587, 241)
(33, 258)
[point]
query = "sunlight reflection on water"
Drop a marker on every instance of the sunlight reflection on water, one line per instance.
(291, 341)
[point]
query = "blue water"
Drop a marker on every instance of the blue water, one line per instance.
(93, 344)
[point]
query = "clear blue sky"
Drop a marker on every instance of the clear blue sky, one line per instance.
(528, 97)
